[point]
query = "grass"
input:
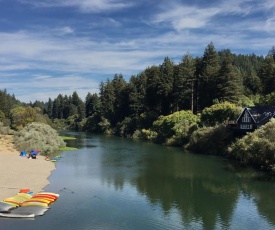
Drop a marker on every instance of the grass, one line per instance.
(64, 138)
(67, 148)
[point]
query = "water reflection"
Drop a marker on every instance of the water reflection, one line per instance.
(204, 191)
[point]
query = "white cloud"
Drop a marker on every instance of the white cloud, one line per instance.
(83, 5)
(44, 87)
(182, 17)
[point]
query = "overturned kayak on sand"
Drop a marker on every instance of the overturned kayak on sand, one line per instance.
(25, 205)
(11, 215)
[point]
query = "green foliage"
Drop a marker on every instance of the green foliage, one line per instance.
(125, 128)
(148, 135)
(64, 138)
(219, 113)
(174, 129)
(257, 148)
(2, 115)
(38, 136)
(210, 140)
(21, 116)
(228, 81)
(92, 124)
(105, 126)
(146, 119)
(268, 100)
(4, 130)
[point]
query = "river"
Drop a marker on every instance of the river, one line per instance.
(122, 184)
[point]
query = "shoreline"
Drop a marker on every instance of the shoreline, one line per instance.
(20, 172)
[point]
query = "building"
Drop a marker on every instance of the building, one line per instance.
(252, 118)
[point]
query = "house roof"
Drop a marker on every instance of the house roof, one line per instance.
(261, 114)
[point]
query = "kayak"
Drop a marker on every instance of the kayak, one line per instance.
(34, 203)
(12, 215)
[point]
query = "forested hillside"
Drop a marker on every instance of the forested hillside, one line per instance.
(181, 104)
(194, 83)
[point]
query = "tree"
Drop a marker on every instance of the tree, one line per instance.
(267, 74)
(165, 86)
(107, 97)
(208, 72)
(137, 94)
(228, 81)
(184, 84)
(21, 116)
(152, 99)
(92, 104)
(79, 104)
(50, 108)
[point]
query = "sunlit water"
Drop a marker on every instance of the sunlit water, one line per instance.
(118, 184)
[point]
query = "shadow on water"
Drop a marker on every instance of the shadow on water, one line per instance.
(204, 189)
(116, 183)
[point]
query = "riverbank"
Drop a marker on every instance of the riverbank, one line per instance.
(20, 172)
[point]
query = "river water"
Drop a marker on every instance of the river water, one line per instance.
(121, 184)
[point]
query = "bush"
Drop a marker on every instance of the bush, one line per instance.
(148, 135)
(257, 148)
(175, 129)
(125, 128)
(210, 140)
(38, 136)
(4, 130)
(219, 113)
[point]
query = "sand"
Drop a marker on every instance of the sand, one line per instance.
(18, 172)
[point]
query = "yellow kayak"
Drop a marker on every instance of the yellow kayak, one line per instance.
(34, 203)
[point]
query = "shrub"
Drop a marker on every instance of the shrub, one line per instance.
(175, 129)
(210, 140)
(257, 148)
(5, 130)
(125, 128)
(148, 135)
(219, 113)
(38, 136)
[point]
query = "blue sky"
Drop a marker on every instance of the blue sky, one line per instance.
(49, 47)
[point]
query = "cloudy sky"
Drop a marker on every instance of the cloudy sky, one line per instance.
(49, 47)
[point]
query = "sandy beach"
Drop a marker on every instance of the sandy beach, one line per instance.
(20, 172)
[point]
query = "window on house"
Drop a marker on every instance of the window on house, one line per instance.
(246, 117)
(245, 126)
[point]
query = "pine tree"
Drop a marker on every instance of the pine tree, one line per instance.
(184, 84)
(50, 108)
(137, 94)
(228, 81)
(107, 97)
(165, 87)
(208, 76)
(267, 73)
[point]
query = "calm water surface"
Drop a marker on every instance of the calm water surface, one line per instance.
(114, 183)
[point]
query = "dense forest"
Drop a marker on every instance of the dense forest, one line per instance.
(172, 103)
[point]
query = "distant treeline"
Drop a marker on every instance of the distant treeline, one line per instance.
(173, 103)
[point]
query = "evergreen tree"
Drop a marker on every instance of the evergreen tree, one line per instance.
(209, 69)
(92, 104)
(79, 104)
(165, 87)
(267, 74)
(107, 97)
(252, 83)
(153, 100)
(50, 108)
(228, 81)
(121, 105)
(137, 89)
(184, 84)
(56, 106)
